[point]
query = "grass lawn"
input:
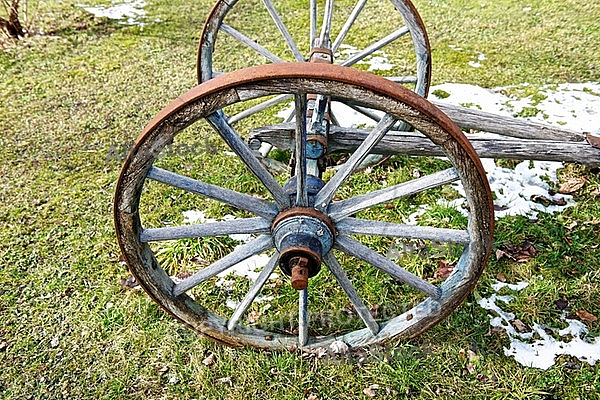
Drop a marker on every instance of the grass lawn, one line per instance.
(80, 87)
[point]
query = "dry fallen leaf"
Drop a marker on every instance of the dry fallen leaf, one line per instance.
(520, 326)
(501, 277)
(547, 201)
(312, 397)
(500, 253)
(374, 310)
(253, 316)
(444, 269)
(594, 140)
(370, 391)
(130, 283)
(586, 316)
(209, 360)
(571, 185)
(227, 381)
(471, 368)
(521, 253)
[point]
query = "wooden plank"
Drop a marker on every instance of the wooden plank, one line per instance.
(468, 118)
(412, 143)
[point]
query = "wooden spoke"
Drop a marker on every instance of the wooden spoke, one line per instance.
(325, 37)
(302, 317)
(253, 292)
(242, 201)
(238, 226)
(258, 245)
(348, 24)
(300, 154)
(259, 107)
(366, 112)
(375, 46)
(360, 251)
(239, 146)
(354, 226)
(403, 79)
(250, 43)
(362, 311)
(326, 194)
(284, 32)
(342, 209)
(313, 22)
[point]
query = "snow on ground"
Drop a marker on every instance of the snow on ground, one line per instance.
(249, 268)
(378, 61)
(128, 12)
(575, 106)
(537, 347)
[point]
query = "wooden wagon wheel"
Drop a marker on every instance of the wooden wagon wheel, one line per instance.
(293, 36)
(301, 225)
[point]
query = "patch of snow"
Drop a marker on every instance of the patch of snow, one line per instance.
(540, 353)
(413, 218)
(515, 189)
(514, 287)
(230, 303)
(378, 61)
(575, 106)
(477, 64)
(249, 268)
(196, 217)
(129, 12)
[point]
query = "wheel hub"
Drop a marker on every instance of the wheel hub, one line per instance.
(302, 236)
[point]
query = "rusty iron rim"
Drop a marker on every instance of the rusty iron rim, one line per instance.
(267, 73)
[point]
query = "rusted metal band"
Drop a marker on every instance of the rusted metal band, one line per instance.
(303, 212)
(321, 55)
(320, 139)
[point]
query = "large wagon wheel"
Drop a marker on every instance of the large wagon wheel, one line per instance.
(229, 42)
(301, 225)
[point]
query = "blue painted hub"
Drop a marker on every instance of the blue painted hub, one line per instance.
(314, 150)
(302, 236)
(303, 231)
(313, 185)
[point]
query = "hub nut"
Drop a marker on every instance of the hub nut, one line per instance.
(302, 236)
(299, 273)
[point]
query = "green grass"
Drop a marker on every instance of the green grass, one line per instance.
(68, 329)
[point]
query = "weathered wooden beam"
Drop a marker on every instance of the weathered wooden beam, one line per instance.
(413, 143)
(468, 118)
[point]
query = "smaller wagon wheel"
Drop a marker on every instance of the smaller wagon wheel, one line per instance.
(301, 225)
(298, 33)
